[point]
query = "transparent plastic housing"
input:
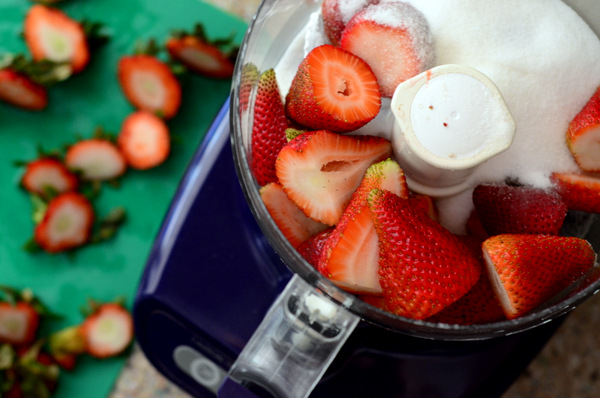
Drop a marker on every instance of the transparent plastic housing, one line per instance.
(269, 36)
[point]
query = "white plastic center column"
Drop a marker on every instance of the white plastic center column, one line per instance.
(449, 120)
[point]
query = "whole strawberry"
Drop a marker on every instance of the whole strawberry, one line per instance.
(423, 267)
(512, 209)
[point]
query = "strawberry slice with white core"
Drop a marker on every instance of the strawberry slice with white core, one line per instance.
(320, 170)
(580, 192)
(66, 224)
(18, 323)
(108, 331)
(394, 39)
(337, 13)
(350, 256)
(150, 85)
(333, 90)
(48, 174)
(292, 222)
(583, 135)
(96, 159)
(51, 34)
(528, 270)
(144, 140)
(17, 89)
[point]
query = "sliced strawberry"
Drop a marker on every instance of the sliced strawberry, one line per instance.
(268, 128)
(579, 191)
(18, 90)
(423, 267)
(337, 13)
(583, 135)
(53, 35)
(333, 90)
(350, 257)
(108, 331)
(48, 175)
(508, 209)
(150, 85)
(312, 247)
(66, 224)
(96, 159)
(394, 39)
(200, 56)
(292, 222)
(320, 170)
(18, 323)
(144, 140)
(528, 270)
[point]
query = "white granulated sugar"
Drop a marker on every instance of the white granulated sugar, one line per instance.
(546, 62)
(348, 8)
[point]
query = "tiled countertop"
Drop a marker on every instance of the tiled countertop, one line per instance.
(568, 367)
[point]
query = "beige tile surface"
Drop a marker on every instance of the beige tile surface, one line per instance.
(568, 367)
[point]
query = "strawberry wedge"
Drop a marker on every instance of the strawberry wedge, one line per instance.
(333, 90)
(320, 170)
(583, 135)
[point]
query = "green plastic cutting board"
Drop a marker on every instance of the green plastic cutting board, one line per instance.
(77, 107)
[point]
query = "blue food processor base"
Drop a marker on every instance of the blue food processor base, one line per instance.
(211, 277)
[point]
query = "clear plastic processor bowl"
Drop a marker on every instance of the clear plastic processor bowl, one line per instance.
(275, 26)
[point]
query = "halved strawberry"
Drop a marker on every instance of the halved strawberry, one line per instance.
(312, 247)
(268, 128)
(149, 84)
(292, 222)
(19, 90)
(66, 224)
(51, 34)
(200, 55)
(508, 209)
(333, 90)
(18, 323)
(48, 175)
(579, 191)
(108, 331)
(320, 170)
(350, 257)
(583, 135)
(337, 13)
(144, 140)
(528, 270)
(96, 159)
(394, 39)
(423, 267)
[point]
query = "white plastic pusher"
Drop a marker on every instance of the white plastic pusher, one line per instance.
(449, 119)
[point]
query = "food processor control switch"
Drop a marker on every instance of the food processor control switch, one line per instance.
(449, 120)
(295, 343)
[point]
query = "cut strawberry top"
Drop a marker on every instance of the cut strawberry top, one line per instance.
(19, 90)
(18, 323)
(96, 159)
(108, 331)
(44, 174)
(200, 57)
(51, 34)
(144, 140)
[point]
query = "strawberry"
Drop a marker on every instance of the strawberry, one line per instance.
(319, 170)
(394, 39)
(426, 204)
(312, 247)
(47, 176)
(96, 159)
(333, 90)
(18, 322)
(291, 221)
(512, 209)
(53, 35)
(423, 267)
(66, 345)
(248, 81)
(149, 84)
(350, 257)
(66, 224)
(200, 55)
(19, 90)
(268, 128)
(337, 13)
(108, 331)
(583, 135)
(144, 140)
(528, 270)
(579, 191)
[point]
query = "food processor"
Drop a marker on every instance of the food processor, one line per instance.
(227, 307)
